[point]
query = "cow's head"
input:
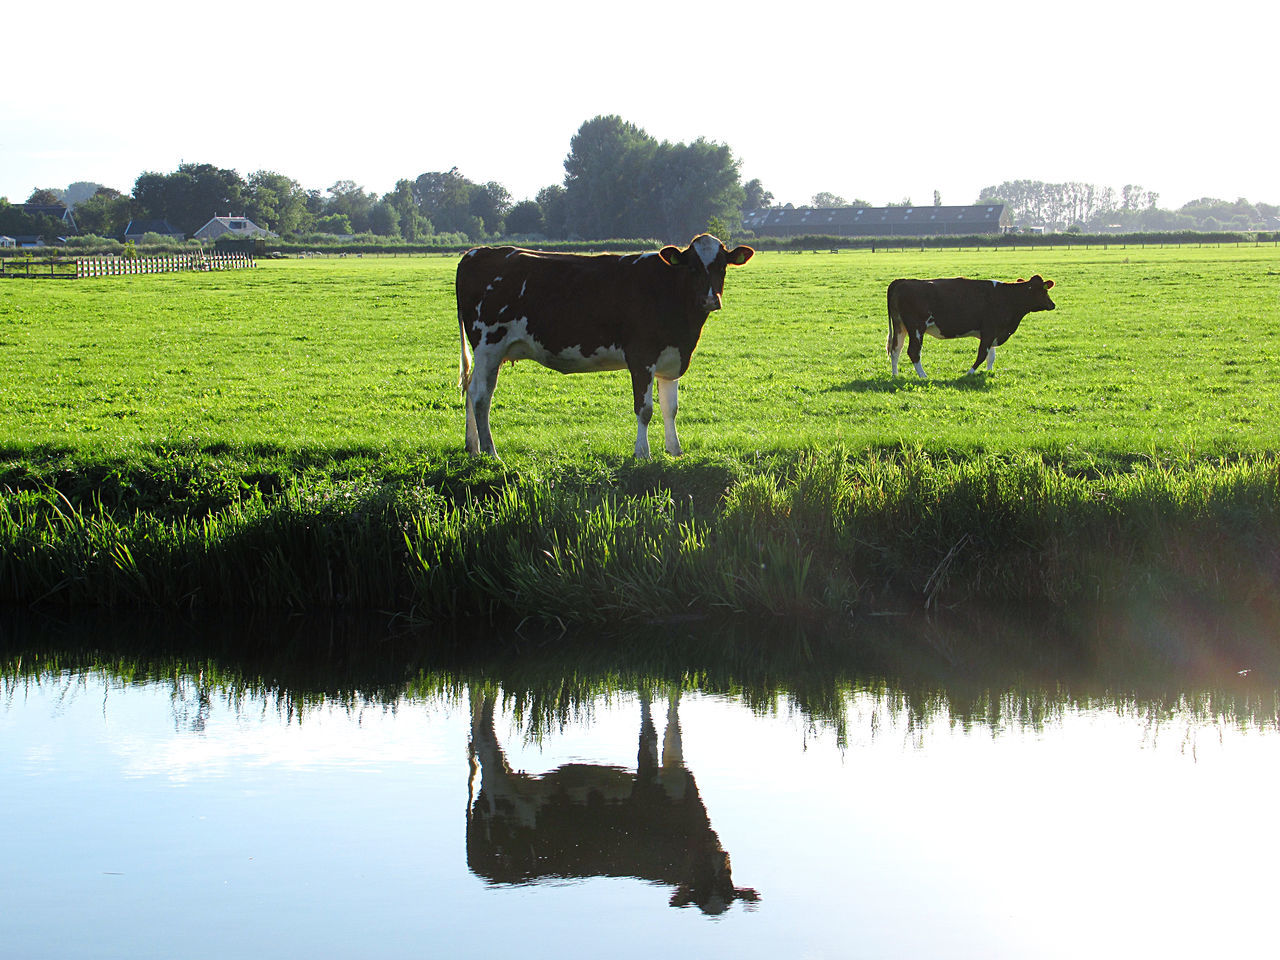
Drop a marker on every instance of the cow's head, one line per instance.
(1038, 288)
(706, 260)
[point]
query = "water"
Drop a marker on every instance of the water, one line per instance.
(163, 808)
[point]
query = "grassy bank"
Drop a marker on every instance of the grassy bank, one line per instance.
(818, 537)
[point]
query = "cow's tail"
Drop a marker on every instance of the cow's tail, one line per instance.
(465, 363)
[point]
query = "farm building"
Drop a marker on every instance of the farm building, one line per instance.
(238, 226)
(925, 221)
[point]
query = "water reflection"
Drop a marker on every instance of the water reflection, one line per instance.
(592, 820)
(305, 778)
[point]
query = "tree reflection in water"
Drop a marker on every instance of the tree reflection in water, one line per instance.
(592, 820)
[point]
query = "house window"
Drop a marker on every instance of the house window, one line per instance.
(237, 225)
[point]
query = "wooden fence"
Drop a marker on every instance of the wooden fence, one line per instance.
(117, 266)
(66, 268)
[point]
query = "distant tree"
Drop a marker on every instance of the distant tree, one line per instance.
(276, 202)
(755, 196)
(413, 225)
(621, 182)
(79, 192)
(190, 196)
(555, 211)
(692, 184)
(13, 221)
(384, 221)
(44, 196)
(445, 200)
(348, 199)
(526, 218)
(490, 202)
(937, 198)
(335, 223)
(608, 177)
(105, 214)
(825, 199)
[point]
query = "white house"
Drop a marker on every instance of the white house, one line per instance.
(237, 226)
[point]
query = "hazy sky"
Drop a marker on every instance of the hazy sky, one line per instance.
(890, 101)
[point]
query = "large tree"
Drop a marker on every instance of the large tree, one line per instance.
(189, 197)
(755, 196)
(444, 198)
(621, 182)
(349, 200)
(413, 225)
(276, 202)
(491, 202)
(554, 201)
(105, 214)
(693, 184)
(608, 178)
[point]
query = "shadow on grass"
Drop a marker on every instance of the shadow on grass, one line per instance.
(973, 382)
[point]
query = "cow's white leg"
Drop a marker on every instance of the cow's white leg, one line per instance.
(668, 391)
(913, 351)
(473, 436)
(484, 379)
(989, 353)
(642, 391)
(644, 413)
(895, 350)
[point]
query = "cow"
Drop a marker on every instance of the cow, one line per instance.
(577, 313)
(591, 820)
(987, 309)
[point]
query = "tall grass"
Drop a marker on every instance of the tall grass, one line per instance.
(816, 538)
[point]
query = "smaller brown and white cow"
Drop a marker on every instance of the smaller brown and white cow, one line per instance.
(576, 313)
(987, 309)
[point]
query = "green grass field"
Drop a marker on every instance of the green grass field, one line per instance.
(1170, 351)
(291, 436)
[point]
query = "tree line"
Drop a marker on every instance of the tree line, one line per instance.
(1089, 208)
(619, 182)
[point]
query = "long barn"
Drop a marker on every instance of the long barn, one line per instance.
(928, 221)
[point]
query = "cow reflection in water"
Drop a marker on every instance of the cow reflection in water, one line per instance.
(589, 820)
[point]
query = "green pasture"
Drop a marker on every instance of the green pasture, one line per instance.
(1165, 351)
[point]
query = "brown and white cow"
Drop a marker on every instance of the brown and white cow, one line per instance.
(591, 820)
(577, 313)
(987, 309)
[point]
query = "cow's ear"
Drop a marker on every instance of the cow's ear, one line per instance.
(740, 255)
(1048, 284)
(672, 256)
(1022, 280)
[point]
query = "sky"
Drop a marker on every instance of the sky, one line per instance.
(879, 102)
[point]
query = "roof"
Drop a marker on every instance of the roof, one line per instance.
(56, 210)
(137, 228)
(242, 226)
(869, 221)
